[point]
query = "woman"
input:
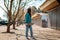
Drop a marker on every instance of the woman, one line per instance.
(28, 22)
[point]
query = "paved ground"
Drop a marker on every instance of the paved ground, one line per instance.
(39, 33)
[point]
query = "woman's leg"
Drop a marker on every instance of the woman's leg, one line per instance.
(31, 32)
(26, 31)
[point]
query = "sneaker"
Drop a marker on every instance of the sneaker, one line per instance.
(32, 37)
(28, 38)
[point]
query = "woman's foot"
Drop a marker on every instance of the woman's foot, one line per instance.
(33, 38)
(28, 38)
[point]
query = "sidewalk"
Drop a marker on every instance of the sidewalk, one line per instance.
(39, 33)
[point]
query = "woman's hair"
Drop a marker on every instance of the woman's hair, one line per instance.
(29, 11)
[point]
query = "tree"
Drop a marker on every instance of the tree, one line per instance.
(15, 15)
(11, 8)
(9, 12)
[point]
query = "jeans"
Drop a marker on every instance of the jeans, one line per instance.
(27, 29)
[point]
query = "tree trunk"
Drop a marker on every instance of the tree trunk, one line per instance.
(8, 28)
(13, 24)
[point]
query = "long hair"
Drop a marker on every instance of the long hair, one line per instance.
(29, 11)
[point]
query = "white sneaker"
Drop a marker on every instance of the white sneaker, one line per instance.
(28, 38)
(33, 38)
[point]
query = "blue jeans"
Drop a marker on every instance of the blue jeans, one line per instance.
(27, 29)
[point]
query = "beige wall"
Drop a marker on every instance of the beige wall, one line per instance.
(55, 18)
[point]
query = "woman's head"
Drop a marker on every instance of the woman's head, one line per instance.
(29, 11)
